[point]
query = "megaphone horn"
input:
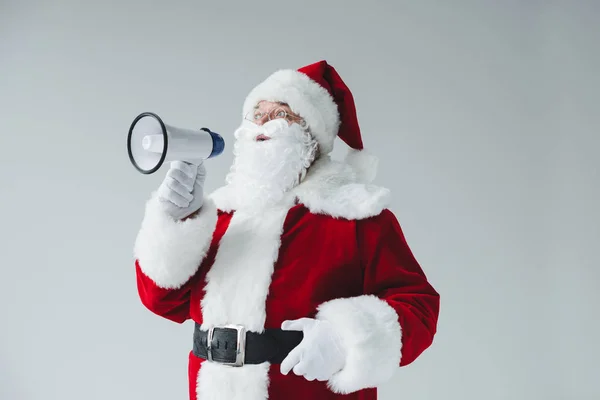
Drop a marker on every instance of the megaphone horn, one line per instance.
(151, 142)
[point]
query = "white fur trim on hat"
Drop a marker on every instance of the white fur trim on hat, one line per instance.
(306, 98)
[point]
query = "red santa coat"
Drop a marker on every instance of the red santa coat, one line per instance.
(331, 250)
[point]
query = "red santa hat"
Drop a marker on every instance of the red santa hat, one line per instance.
(318, 94)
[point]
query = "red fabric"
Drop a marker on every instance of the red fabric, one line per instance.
(326, 76)
(193, 369)
(346, 258)
(392, 273)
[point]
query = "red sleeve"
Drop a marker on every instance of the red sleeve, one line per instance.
(393, 274)
(168, 254)
(172, 304)
(395, 318)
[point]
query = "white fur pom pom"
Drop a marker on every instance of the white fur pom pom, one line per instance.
(363, 163)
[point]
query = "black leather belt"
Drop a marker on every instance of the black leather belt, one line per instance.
(233, 345)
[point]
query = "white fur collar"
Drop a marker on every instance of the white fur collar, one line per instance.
(331, 188)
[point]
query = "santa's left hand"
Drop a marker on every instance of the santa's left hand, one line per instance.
(319, 355)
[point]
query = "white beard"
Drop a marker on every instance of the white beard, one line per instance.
(264, 171)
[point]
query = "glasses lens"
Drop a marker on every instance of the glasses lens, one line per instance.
(277, 113)
(254, 116)
(258, 115)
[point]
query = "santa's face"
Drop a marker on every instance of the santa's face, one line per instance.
(270, 159)
(266, 111)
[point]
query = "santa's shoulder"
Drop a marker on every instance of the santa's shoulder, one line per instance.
(337, 189)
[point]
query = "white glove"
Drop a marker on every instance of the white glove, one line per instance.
(182, 191)
(319, 355)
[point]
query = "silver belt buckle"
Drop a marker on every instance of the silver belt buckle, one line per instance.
(240, 352)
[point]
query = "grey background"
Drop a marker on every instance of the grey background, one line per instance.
(485, 118)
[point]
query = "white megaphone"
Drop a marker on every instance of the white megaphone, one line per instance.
(151, 142)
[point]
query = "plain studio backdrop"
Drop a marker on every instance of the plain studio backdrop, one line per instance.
(484, 115)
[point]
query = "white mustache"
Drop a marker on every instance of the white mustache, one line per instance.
(273, 129)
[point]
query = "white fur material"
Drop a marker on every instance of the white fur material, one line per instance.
(371, 333)
(170, 251)
(306, 98)
(331, 188)
(235, 293)
(264, 171)
(221, 382)
(364, 163)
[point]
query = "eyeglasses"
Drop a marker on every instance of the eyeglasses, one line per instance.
(275, 113)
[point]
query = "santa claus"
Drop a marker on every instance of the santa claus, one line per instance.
(296, 274)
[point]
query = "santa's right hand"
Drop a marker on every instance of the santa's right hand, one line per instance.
(181, 193)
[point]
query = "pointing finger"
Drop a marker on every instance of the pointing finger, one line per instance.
(291, 360)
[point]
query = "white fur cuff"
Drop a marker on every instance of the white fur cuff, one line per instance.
(371, 334)
(169, 251)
